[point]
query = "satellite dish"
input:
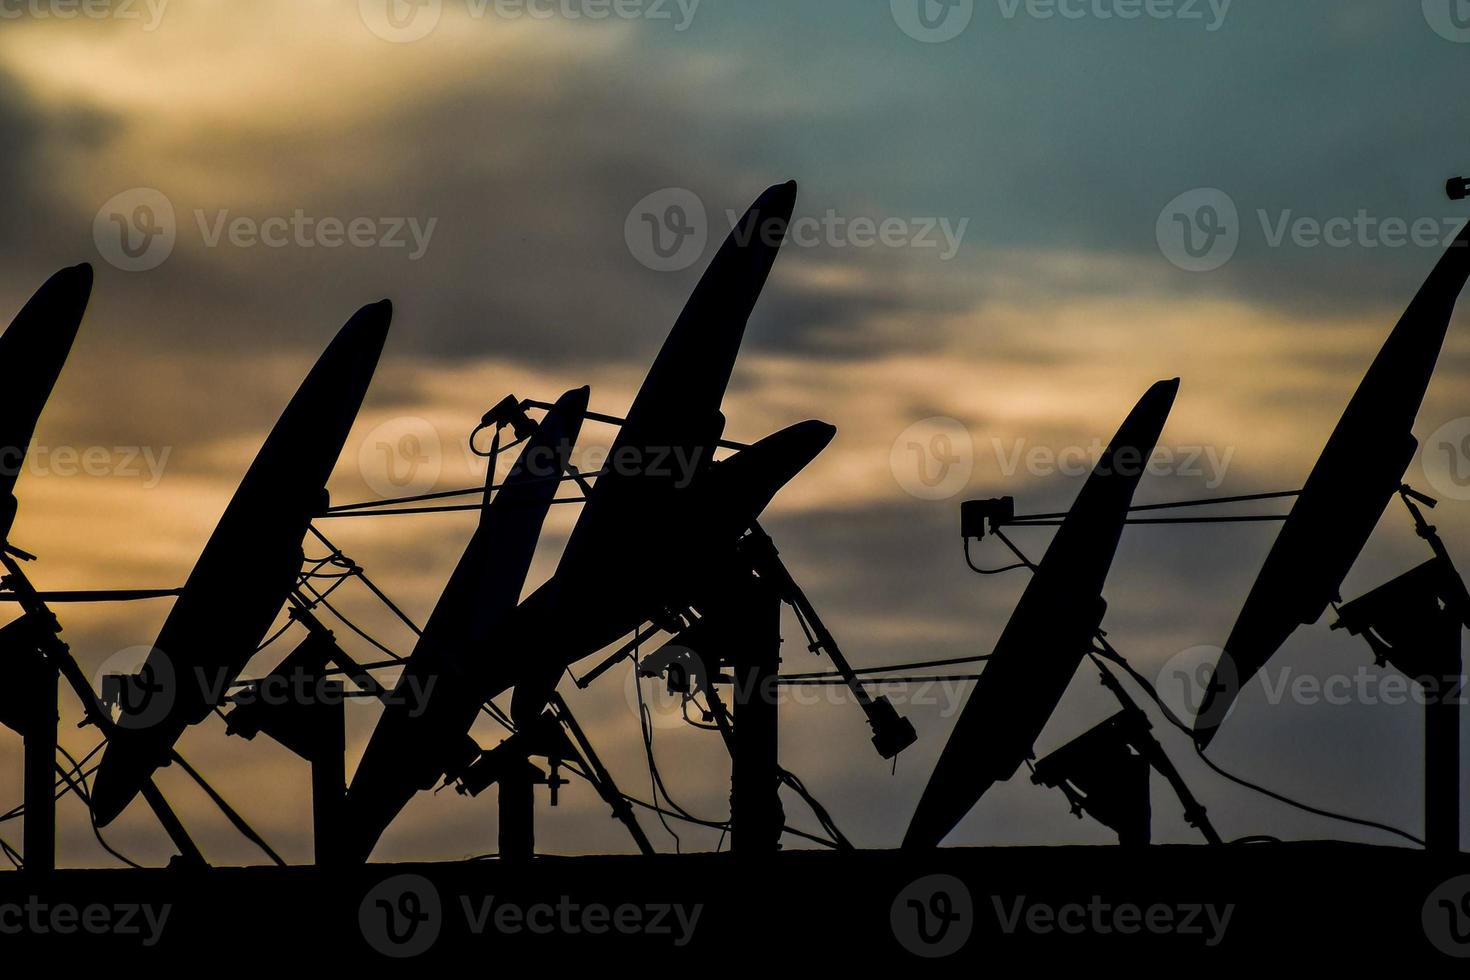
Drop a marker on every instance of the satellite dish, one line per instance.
(634, 538)
(247, 569)
(1357, 475)
(427, 723)
(32, 352)
(416, 756)
(1048, 635)
(632, 530)
(737, 490)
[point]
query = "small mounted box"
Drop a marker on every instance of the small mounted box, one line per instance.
(978, 517)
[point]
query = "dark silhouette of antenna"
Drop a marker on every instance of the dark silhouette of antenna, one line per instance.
(1458, 188)
(35, 348)
(424, 731)
(32, 351)
(1414, 623)
(649, 524)
(247, 569)
(1050, 632)
(1351, 485)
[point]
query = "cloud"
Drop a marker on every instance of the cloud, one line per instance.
(527, 144)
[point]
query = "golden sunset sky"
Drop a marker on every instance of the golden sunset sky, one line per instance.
(520, 146)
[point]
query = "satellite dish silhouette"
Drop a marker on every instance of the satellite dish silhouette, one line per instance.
(32, 352)
(737, 490)
(439, 744)
(247, 569)
(416, 735)
(1047, 636)
(638, 531)
(1350, 487)
(642, 510)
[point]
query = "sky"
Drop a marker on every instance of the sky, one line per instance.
(1015, 215)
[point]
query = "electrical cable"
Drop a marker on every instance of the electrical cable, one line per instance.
(1111, 656)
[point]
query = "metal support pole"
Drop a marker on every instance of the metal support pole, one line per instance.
(59, 654)
(602, 780)
(1149, 747)
(1442, 746)
(518, 811)
(329, 777)
(40, 765)
(756, 818)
